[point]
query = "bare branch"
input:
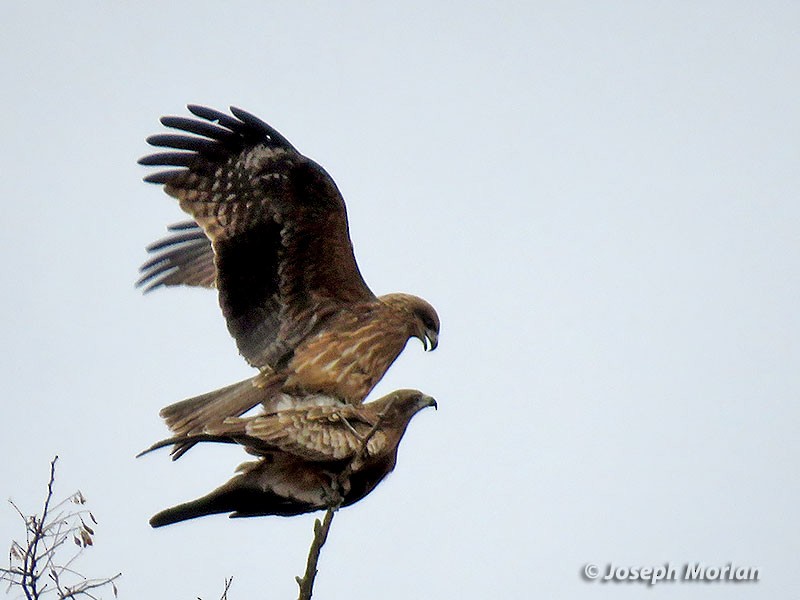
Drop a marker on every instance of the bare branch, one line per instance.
(228, 582)
(30, 572)
(38, 567)
(306, 582)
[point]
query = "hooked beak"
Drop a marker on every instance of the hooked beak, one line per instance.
(429, 401)
(430, 339)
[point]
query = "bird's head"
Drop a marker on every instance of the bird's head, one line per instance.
(421, 317)
(399, 406)
(427, 325)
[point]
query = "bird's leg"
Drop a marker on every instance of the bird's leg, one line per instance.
(352, 429)
(335, 492)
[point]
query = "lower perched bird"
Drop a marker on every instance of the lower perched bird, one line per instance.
(310, 458)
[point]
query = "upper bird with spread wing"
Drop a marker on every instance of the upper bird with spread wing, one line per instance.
(270, 233)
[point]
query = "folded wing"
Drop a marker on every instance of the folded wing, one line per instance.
(318, 434)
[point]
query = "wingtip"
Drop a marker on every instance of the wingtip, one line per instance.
(240, 112)
(198, 110)
(146, 285)
(163, 177)
(251, 120)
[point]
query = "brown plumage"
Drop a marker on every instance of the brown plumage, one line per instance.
(271, 235)
(305, 457)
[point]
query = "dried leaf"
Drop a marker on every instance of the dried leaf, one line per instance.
(87, 528)
(114, 588)
(93, 519)
(87, 539)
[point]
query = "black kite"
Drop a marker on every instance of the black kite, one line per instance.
(305, 457)
(271, 235)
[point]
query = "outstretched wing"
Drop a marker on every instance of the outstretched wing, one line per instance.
(276, 222)
(185, 257)
(319, 433)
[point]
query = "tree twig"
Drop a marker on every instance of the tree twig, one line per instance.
(228, 582)
(321, 529)
(30, 576)
(39, 567)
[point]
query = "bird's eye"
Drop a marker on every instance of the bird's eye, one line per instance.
(426, 321)
(431, 323)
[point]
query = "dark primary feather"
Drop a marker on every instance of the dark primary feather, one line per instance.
(253, 445)
(182, 226)
(208, 130)
(177, 159)
(275, 226)
(183, 258)
(257, 123)
(212, 115)
(164, 176)
(179, 142)
(188, 231)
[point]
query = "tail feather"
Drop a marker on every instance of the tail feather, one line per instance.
(237, 497)
(189, 417)
(214, 503)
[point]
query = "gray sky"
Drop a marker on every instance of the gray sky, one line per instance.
(601, 202)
